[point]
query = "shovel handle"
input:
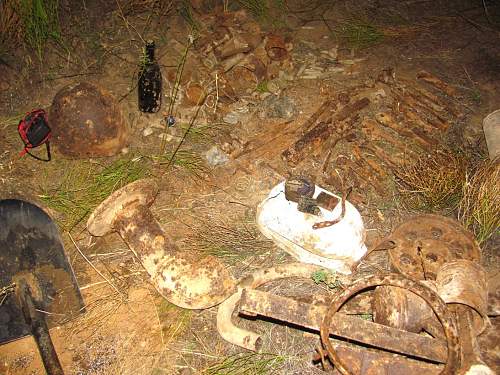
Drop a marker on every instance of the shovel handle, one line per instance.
(39, 330)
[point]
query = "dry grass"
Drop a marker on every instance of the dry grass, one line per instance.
(134, 7)
(479, 208)
(10, 25)
(433, 181)
(233, 241)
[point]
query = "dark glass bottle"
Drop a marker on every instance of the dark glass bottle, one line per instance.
(149, 87)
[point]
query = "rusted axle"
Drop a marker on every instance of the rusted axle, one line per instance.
(255, 302)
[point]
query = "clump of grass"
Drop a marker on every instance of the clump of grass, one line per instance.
(268, 12)
(185, 159)
(40, 20)
(203, 134)
(433, 181)
(135, 7)
(10, 25)
(358, 34)
(479, 208)
(231, 241)
(82, 189)
(247, 364)
(326, 277)
(262, 87)
(174, 320)
(186, 12)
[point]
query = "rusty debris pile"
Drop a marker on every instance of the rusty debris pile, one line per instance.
(425, 316)
(439, 289)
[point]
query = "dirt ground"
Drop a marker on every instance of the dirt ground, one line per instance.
(341, 50)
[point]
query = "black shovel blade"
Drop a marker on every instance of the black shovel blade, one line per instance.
(31, 250)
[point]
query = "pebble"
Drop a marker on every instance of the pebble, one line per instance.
(231, 118)
(215, 156)
(148, 131)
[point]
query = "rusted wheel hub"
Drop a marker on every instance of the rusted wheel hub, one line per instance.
(424, 243)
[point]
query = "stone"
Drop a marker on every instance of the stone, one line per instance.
(280, 107)
(215, 156)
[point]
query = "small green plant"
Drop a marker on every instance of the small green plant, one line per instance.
(174, 320)
(186, 12)
(247, 364)
(476, 96)
(327, 278)
(366, 316)
(262, 87)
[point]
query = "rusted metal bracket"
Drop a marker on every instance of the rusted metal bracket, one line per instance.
(255, 302)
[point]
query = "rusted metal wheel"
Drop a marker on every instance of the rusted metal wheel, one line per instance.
(396, 280)
(424, 243)
(86, 121)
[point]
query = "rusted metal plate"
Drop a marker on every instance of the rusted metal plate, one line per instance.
(86, 121)
(424, 243)
(310, 316)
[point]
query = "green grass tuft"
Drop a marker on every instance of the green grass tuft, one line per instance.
(267, 12)
(262, 87)
(40, 20)
(247, 364)
(358, 34)
(83, 188)
(186, 160)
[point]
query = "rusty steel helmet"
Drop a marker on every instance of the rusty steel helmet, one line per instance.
(86, 121)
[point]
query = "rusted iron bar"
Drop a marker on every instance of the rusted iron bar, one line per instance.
(369, 362)
(341, 123)
(437, 83)
(372, 129)
(386, 119)
(255, 302)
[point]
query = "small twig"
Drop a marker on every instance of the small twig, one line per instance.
(104, 282)
(92, 265)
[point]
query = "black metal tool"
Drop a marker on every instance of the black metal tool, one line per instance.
(33, 263)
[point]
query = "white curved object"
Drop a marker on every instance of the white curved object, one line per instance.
(336, 247)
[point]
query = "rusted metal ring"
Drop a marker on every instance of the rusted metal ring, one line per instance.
(431, 297)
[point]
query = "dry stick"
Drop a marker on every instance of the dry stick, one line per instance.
(200, 103)
(92, 265)
(173, 94)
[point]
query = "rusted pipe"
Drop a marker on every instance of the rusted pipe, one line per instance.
(464, 282)
(402, 309)
(242, 337)
(184, 278)
(396, 280)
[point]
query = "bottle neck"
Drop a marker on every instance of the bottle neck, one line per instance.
(150, 51)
